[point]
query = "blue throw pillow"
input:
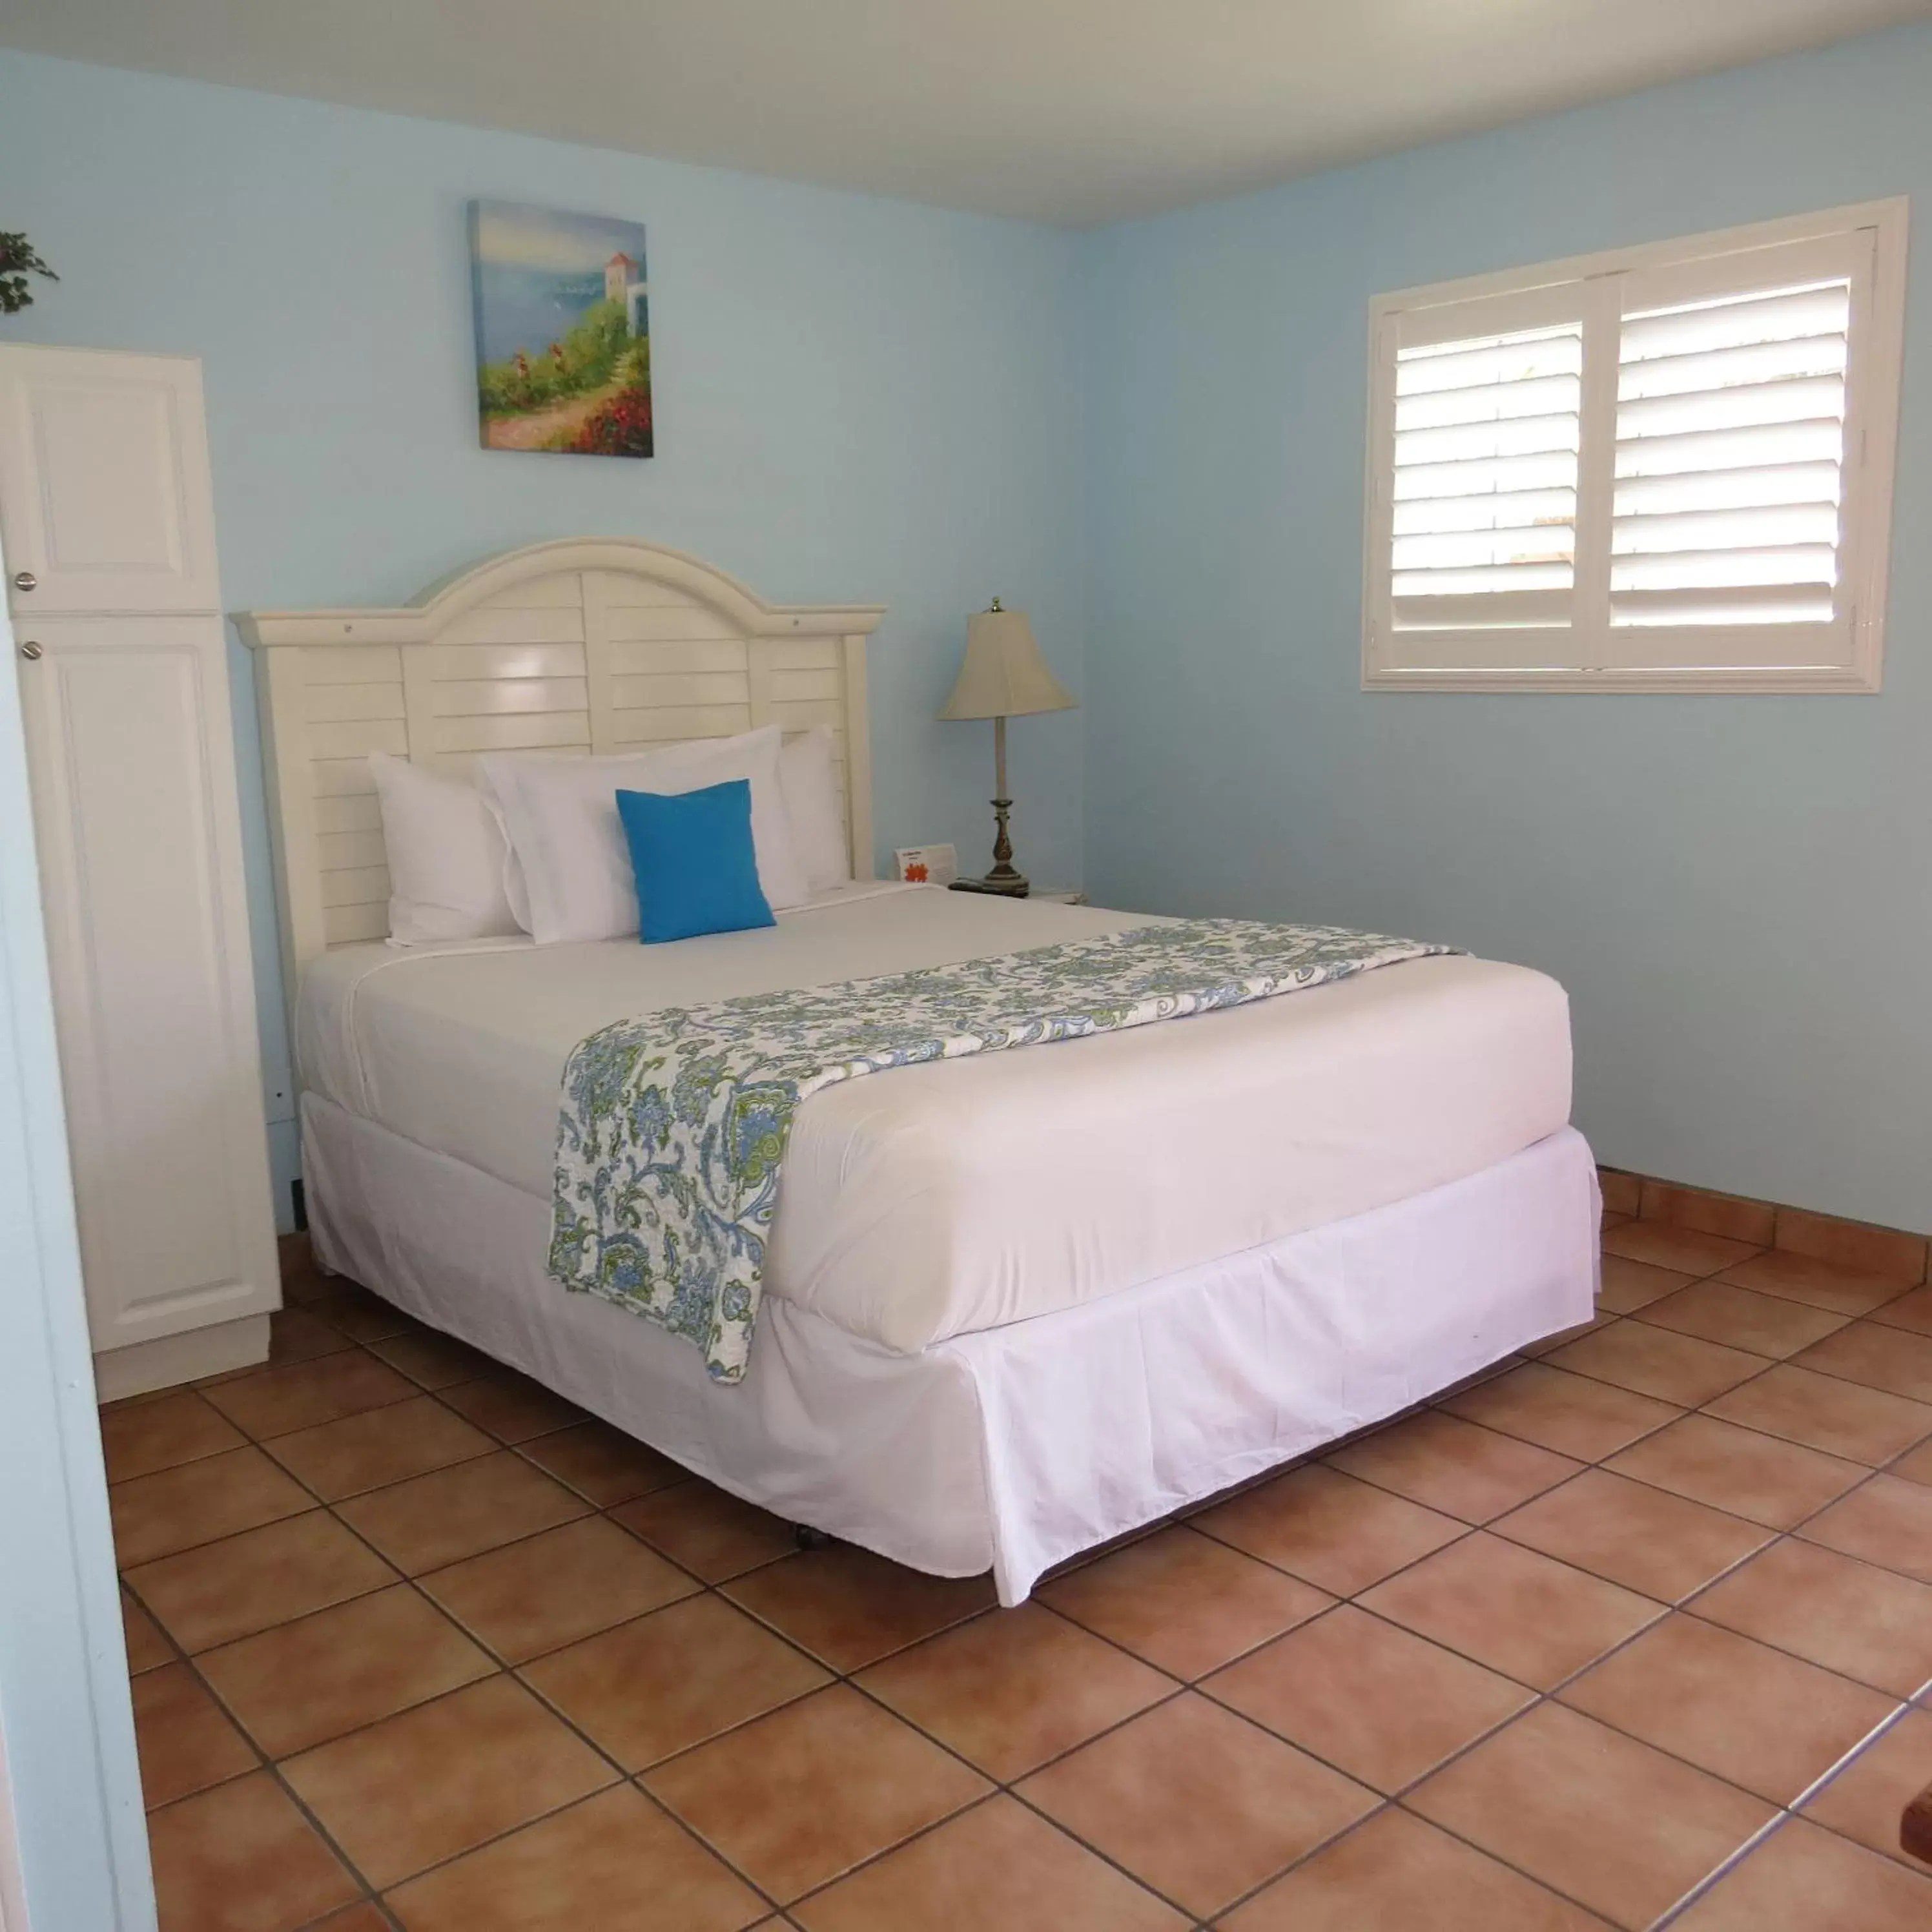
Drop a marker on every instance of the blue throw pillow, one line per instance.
(696, 867)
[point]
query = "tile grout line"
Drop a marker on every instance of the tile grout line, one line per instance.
(504, 1669)
(1000, 1786)
(1777, 1210)
(1791, 1532)
(507, 1669)
(1396, 1800)
(1793, 1359)
(1703, 1408)
(264, 1762)
(1716, 1275)
(1603, 1321)
(595, 1509)
(1055, 1824)
(1782, 1812)
(1008, 1787)
(838, 1676)
(1790, 1813)
(368, 1893)
(1553, 1694)
(1384, 1802)
(497, 1447)
(1536, 1697)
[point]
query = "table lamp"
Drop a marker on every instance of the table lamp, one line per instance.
(1003, 677)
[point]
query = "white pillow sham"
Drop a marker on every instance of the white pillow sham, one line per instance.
(446, 854)
(569, 863)
(752, 755)
(811, 784)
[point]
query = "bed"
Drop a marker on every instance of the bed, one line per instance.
(1015, 1305)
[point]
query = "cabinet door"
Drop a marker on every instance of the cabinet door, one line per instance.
(128, 740)
(105, 500)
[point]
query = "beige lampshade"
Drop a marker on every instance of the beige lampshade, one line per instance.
(1003, 675)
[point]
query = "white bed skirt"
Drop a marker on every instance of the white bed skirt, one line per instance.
(1013, 1448)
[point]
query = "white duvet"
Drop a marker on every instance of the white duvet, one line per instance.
(936, 1200)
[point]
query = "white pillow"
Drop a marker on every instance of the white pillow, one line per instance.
(811, 786)
(446, 854)
(567, 842)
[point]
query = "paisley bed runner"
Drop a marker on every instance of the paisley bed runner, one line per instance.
(673, 1125)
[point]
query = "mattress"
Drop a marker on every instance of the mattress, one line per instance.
(940, 1200)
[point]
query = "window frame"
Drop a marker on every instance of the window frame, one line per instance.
(1873, 379)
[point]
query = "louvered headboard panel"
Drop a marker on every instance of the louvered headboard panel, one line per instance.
(586, 645)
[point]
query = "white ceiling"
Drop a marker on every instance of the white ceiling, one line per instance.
(1067, 111)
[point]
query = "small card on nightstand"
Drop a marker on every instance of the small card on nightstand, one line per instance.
(927, 865)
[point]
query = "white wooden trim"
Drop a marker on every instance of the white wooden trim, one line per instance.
(585, 644)
(279, 692)
(1882, 214)
(1872, 408)
(1512, 298)
(858, 760)
(443, 602)
(13, 1885)
(1596, 457)
(600, 682)
(170, 1360)
(70, 1726)
(1690, 680)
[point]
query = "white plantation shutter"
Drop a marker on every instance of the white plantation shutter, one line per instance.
(1669, 469)
(1485, 487)
(1730, 443)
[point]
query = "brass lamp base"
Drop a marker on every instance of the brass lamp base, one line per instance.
(1002, 880)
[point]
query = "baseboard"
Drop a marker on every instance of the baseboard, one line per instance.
(1888, 1254)
(143, 1366)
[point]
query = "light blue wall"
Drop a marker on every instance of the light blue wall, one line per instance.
(861, 399)
(1737, 891)
(857, 400)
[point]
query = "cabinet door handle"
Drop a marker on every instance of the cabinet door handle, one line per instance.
(31, 652)
(26, 580)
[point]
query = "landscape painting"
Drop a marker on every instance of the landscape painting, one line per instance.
(563, 344)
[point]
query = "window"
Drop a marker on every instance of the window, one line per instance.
(1665, 469)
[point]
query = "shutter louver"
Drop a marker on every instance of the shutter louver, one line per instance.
(1484, 519)
(1664, 468)
(1729, 457)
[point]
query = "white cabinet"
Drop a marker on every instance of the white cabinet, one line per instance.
(104, 487)
(104, 502)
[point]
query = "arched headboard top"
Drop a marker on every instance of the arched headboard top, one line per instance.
(507, 580)
(586, 644)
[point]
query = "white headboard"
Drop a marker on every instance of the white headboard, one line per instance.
(590, 644)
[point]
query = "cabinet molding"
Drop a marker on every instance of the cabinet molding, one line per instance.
(104, 483)
(104, 497)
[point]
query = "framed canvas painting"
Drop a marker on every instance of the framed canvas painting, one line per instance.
(563, 341)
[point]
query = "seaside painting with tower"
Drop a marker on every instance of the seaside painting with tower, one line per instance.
(563, 344)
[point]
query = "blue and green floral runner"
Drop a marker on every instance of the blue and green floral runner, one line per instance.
(673, 1129)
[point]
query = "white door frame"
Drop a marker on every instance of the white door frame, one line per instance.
(77, 1835)
(13, 1885)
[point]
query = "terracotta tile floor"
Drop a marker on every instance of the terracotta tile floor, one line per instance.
(1636, 1631)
